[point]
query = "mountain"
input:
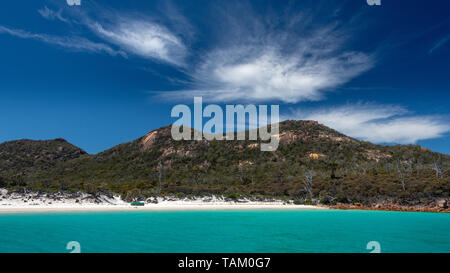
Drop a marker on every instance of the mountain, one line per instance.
(313, 163)
(21, 157)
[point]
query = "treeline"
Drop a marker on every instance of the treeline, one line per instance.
(342, 170)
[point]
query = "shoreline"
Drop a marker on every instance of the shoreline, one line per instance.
(156, 207)
(203, 207)
(390, 208)
(35, 202)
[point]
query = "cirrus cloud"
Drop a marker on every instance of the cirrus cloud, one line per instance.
(70, 42)
(262, 74)
(290, 61)
(50, 14)
(143, 38)
(378, 123)
(135, 34)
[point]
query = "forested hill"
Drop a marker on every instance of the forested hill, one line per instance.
(25, 156)
(313, 164)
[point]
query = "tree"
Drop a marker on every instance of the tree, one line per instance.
(401, 173)
(333, 166)
(308, 181)
(3, 182)
(437, 167)
(419, 165)
(160, 178)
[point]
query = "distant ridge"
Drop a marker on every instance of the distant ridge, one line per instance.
(343, 169)
(27, 155)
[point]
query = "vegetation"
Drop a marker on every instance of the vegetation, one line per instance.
(345, 170)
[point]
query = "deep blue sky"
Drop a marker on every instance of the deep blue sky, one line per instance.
(100, 74)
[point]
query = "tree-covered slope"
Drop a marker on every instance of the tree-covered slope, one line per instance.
(22, 157)
(313, 163)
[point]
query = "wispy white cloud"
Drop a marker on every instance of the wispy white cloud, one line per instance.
(264, 74)
(177, 22)
(133, 33)
(378, 123)
(143, 38)
(50, 14)
(258, 61)
(439, 44)
(73, 43)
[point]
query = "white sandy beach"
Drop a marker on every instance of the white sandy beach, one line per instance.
(33, 202)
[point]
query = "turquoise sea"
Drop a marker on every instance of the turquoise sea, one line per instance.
(226, 231)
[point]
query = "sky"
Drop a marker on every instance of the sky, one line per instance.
(107, 72)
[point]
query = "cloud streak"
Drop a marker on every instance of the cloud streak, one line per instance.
(439, 44)
(133, 33)
(265, 74)
(73, 43)
(290, 62)
(52, 15)
(378, 123)
(143, 38)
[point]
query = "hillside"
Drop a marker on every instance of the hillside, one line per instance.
(312, 164)
(22, 157)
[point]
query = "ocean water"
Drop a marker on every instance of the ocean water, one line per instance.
(262, 231)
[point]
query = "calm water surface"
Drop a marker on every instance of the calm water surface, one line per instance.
(226, 231)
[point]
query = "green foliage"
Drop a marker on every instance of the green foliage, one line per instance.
(347, 170)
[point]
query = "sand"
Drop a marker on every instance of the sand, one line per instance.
(36, 203)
